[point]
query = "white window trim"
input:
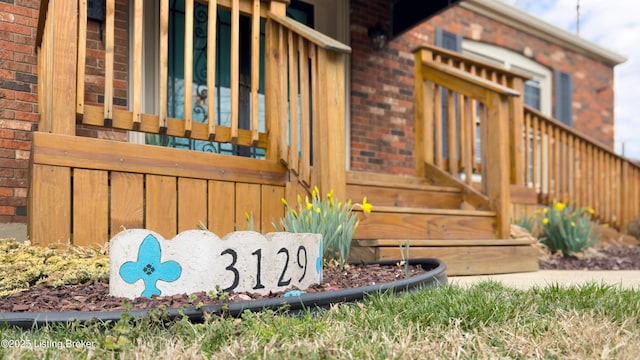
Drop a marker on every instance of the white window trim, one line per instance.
(509, 59)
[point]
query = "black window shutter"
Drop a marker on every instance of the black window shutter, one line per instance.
(563, 109)
(448, 40)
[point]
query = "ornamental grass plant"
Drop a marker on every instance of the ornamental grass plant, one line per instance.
(567, 229)
(328, 216)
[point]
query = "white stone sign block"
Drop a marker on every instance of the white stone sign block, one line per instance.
(143, 263)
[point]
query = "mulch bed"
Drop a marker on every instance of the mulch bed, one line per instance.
(95, 296)
(621, 257)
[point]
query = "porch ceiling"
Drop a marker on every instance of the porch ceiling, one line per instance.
(408, 13)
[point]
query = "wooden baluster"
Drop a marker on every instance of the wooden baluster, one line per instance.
(536, 142)
(294, 146)
(424, 95)
(483, 146)
(255, 71)
(235, 68)
(82, 55)
(108, 62)
(439, 162)
(211, 67)
(136, 93)
(188, 67)
(468, 140)
(305, 109)
(451, 133)
(313, 61)
(164, 66)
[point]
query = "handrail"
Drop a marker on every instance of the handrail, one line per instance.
(464, 82)
(321, 40)
(445, 55)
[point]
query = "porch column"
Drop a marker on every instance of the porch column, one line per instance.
(329, 149)
(49, 202)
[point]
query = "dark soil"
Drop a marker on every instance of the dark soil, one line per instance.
(95, 296)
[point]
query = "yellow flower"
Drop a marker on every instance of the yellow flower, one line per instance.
(573, 224)
(284, 202)
(330, 194)
(315, 192)
(246, 216)
(545, 221)
(560, 206)
(606, 225)
(318, 210)
(590, 210)
(366, 207)
(299, 198)
(309, 206)
(546, 210)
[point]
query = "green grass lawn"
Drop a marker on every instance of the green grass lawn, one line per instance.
(484, 321)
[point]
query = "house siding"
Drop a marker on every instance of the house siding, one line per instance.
(382, 81)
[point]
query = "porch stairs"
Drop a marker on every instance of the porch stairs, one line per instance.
(442, 221)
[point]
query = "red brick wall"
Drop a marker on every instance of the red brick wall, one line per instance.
(18, 103)
(382, 82)
(18, 93)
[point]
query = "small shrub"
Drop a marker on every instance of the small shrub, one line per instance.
(568, 230)
(329, 217)
(633, 228)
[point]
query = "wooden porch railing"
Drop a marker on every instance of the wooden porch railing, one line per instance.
(304, 95)
(504, 77)
(547, 159)
(469, 100)
(562, 164)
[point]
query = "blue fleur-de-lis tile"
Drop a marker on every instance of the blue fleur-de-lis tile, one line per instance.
(149, 267)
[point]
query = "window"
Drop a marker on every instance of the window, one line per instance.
(537, 91)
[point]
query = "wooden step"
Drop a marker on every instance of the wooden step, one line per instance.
(419, 223)
(462, 257)
(403, 191)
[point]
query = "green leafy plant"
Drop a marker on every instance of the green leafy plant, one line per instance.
(567, 230)
(329, 217)
(404, 253)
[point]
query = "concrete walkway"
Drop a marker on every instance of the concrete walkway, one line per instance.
(625, 278)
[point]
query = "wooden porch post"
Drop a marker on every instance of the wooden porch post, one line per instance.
(424, 102)
(498, 189)
(329, 150)
(50, 189)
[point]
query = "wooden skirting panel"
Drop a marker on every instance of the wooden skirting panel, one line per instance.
(87, 202)
(460, 260)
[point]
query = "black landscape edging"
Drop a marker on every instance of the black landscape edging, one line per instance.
(431, 278)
